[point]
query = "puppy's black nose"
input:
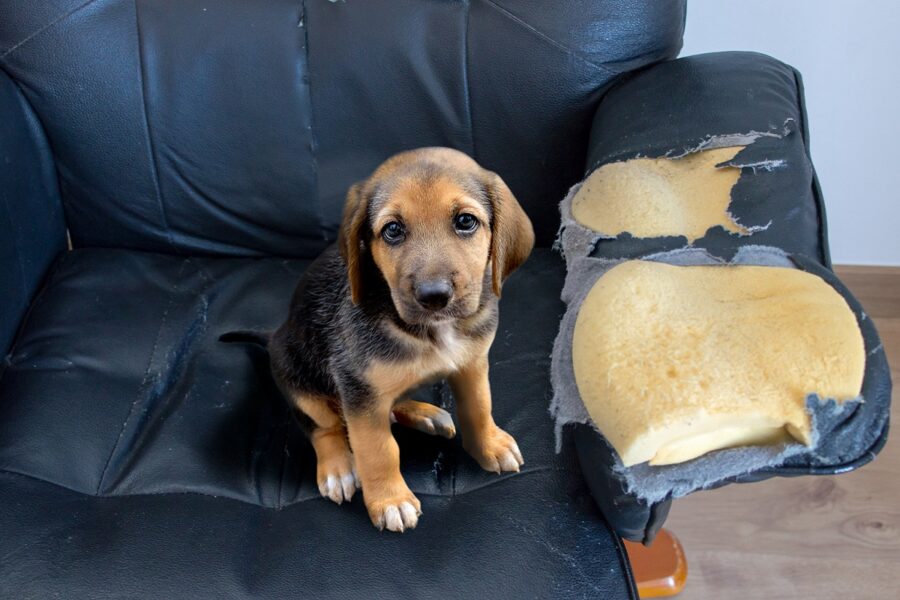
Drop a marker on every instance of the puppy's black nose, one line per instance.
(434, 295)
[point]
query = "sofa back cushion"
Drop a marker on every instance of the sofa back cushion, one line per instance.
(234, 127)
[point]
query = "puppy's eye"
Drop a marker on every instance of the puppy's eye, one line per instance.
(465, 223)
(393, 232)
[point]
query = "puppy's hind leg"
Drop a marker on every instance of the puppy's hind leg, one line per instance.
(425, 417)
(335, 470)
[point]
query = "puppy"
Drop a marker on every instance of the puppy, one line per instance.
(409, 294)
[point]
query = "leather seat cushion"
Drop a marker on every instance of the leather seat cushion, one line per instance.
(118, 399)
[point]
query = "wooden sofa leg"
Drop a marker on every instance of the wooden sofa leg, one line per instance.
(660, 570)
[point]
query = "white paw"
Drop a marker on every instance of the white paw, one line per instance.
(338, 485)
(398, 517)
(510, 459)
(497, 451)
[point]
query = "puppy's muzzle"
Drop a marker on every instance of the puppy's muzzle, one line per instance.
(434, 295)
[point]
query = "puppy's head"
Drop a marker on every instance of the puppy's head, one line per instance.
(439, 228)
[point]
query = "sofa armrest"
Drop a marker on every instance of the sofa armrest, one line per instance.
(32, 229)
(672, 109)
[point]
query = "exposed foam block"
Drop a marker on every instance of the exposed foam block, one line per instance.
(658, 197)
(673, 362)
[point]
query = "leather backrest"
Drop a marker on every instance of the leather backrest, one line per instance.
(231, 127)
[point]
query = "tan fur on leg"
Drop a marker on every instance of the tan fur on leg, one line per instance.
(335, 472)
(494, 449)
(390, 502)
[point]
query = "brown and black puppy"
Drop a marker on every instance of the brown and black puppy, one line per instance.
(409, 294)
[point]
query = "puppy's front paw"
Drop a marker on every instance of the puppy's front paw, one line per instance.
(495, 451)
(337, 478)
(396, 512)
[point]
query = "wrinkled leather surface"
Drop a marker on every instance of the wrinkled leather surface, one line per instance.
(235, 128)
(714, 94)
(31, 221)
(138, 434)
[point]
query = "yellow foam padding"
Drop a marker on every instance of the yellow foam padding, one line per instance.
(674, 362)
(656, 197)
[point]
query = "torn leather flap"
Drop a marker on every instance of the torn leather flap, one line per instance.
(844, 434)
(642, 204)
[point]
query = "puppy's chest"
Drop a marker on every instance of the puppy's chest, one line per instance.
(449, 350)
(445, 352)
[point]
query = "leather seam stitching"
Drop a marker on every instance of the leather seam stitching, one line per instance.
(144, 381)
(468, 88)
(540, 34)
(44, 28)
(313, 144)
(151, 147)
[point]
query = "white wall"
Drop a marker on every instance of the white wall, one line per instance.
(849, 55)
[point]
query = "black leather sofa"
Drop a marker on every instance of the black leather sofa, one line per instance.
(196, 153)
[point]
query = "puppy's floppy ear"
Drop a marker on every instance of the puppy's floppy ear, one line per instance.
(350, 240)
(512, 236)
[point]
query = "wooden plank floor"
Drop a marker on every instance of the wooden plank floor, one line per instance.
(816, 538)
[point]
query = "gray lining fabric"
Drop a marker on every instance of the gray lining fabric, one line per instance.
(654, 484)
